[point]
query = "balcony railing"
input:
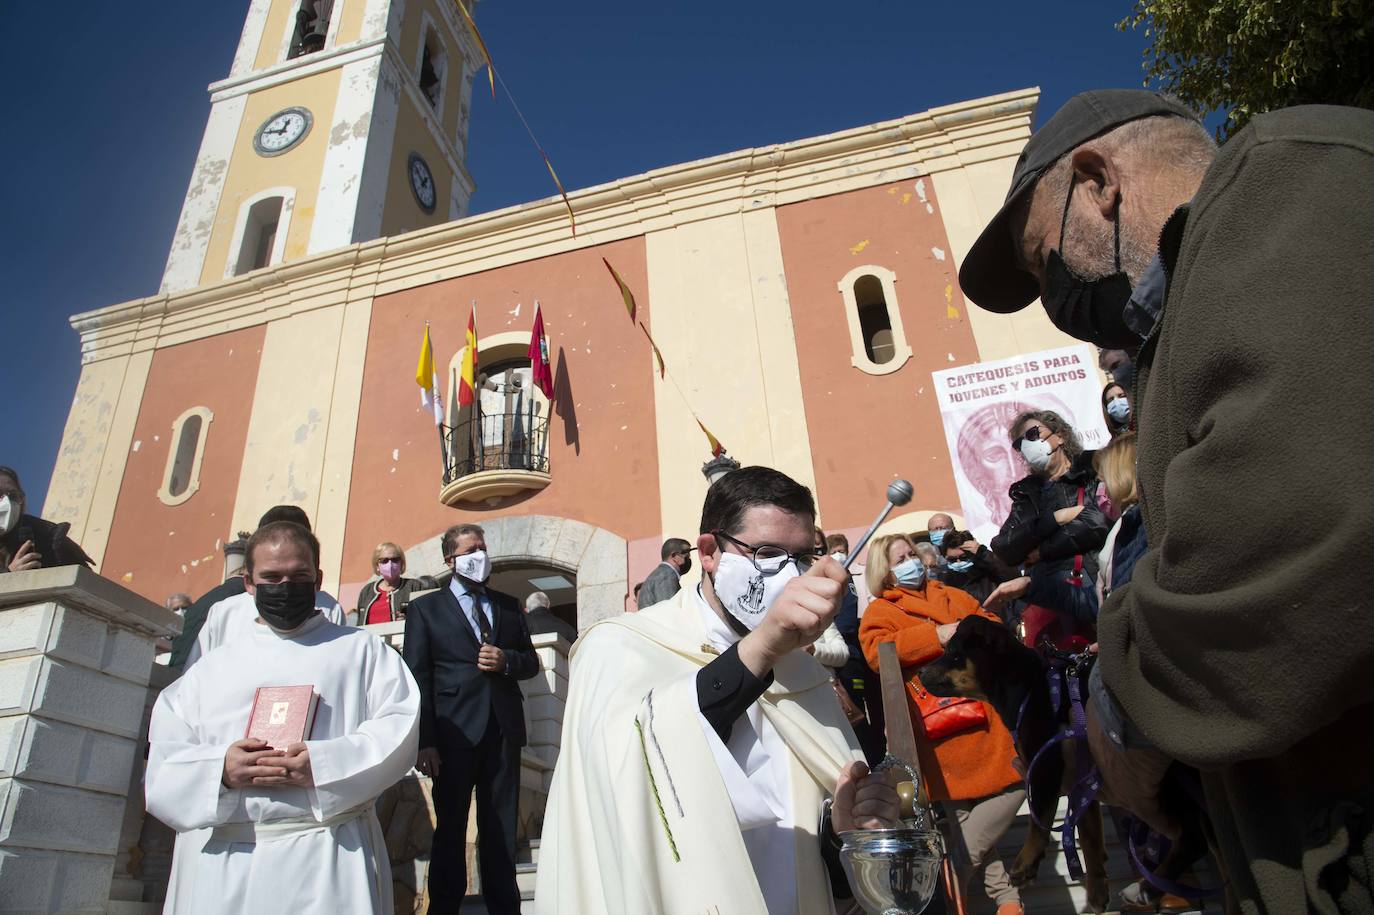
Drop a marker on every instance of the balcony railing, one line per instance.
(495, 454)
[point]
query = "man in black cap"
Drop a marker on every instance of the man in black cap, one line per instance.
(1240, 280)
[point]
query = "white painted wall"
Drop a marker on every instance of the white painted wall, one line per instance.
(197, 221)
(351, 134)
(251, 39)
(375, 160)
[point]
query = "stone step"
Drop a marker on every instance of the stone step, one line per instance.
(124, 907)
(524, 878)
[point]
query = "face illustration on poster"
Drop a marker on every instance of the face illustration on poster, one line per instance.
(979, 403)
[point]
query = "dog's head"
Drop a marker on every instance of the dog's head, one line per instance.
(979, 658)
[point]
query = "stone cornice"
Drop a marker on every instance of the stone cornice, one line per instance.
(941, 139)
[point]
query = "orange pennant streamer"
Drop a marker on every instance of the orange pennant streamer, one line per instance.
(717, 449)
(625, 292)
(481, 46)
(662, 369)
(564, 194)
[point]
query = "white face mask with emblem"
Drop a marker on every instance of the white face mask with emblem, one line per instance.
(474, 566)
(10, 510)
(745, 592)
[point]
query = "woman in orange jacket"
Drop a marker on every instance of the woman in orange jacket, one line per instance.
(968, 769)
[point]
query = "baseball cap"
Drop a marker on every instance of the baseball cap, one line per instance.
(991, 275)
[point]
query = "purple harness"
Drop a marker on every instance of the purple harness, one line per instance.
(1067, 675)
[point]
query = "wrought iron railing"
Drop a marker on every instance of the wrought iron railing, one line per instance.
(496, 441)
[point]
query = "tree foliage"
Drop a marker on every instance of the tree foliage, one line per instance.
(1245, 57)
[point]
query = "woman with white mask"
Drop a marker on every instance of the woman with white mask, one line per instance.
(1055, 523)
(28, 542)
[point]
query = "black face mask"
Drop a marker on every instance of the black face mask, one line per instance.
(284, 605)
(686, 566)
(1091, 310)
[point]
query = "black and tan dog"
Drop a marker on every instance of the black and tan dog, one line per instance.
(984, 660)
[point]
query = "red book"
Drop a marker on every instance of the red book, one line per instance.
(282, 715)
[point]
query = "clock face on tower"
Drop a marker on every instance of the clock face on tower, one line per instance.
(421, 182)
(282, 131)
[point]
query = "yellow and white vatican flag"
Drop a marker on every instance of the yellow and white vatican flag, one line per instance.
(428, 379)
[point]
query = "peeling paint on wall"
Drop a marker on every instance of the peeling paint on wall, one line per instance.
(197, 220)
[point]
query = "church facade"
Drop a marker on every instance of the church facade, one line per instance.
(800, 296)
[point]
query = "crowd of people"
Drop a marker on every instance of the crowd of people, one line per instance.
(717, 741)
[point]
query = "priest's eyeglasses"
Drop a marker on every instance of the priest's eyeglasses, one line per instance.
(769, 559)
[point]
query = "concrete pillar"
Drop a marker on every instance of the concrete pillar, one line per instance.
(76, 654)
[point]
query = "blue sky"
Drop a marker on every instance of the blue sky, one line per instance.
(103, 125)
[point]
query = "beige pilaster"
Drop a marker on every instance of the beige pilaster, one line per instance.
(95, 447)
(720, 313)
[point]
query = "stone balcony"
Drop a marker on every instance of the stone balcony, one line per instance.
(495, 455)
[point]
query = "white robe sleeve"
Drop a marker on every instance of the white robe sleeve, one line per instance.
(329, 605)
(209, 636)
(831, 649)
(184, 786)
(357, 767)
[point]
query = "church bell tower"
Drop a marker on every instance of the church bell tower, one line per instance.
(340, 121)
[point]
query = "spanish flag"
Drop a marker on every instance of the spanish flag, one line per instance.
(428, 379)
(467, 381)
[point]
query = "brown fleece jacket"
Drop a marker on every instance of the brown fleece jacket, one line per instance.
(1244, 644)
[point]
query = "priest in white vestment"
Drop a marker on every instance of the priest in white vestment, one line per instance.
(273, 830)
(700, 741)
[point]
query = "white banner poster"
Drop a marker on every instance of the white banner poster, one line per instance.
(978, 404)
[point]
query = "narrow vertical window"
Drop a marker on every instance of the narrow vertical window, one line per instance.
(185, 451)
(433, 67)
(259, 235)
(874, 321)
(312, 27)
(877, 343)
(184, 456)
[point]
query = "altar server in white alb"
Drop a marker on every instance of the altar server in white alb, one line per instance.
(273, 830)
(700, 740)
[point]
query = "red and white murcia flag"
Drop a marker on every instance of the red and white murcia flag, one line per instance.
(540, 366)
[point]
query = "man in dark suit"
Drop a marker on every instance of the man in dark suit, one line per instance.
(467, 646)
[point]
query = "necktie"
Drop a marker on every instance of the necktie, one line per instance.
(483, 626)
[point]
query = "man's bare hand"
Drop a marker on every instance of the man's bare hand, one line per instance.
(296, 763)
(1006, 592)
(865, 801)
(250, 759)
(491, 659)
(26, 558)
(427, 761)
(1065, 515)
(801, 613)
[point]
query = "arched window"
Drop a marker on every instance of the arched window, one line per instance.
(511, 431)
(185, 450)
(432, 69)
(260, 232)
(876, 338)
(311, 29)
